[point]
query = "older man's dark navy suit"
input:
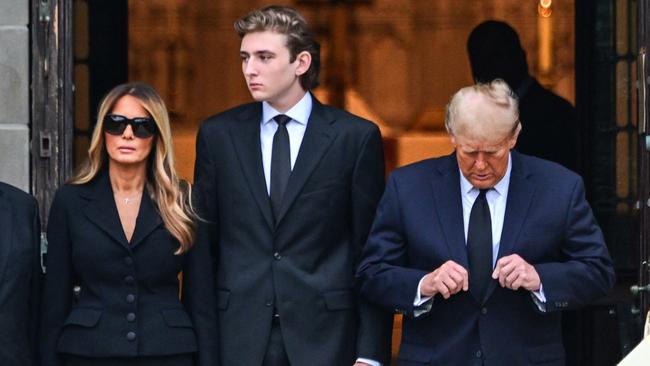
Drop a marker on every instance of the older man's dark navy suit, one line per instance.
(419, 226)
(20, 277)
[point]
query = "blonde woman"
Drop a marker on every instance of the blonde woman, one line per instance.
(119, 233)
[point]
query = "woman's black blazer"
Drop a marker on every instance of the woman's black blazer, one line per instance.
(128, 304)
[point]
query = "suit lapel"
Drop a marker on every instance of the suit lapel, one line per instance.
(246, 139)
(147, 221)
(520, 197)
(317, 140)
(101, 209)
(6, 239)
(446, 191)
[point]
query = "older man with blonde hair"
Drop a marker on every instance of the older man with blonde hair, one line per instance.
(481, 249)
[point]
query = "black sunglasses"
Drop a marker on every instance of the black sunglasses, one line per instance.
(143, 127)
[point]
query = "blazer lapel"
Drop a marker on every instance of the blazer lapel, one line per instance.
(147, 221)
(101, 209)
(6, 240)
(318, 138)
(246, 139)
(446, 191)
(520, 197)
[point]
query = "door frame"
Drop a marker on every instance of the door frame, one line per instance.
(52, 98)
(643, 81)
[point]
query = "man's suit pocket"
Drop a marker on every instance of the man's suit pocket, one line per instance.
(84, 317)
(177, 318)
(223, 296)
(322, 187)
(339, 299)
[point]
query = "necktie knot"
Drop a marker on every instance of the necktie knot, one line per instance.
(483, 192)
(282, 119)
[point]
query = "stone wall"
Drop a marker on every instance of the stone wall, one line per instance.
(14, 93)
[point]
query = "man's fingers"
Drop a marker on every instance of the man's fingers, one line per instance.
(451, 285)
(516, 284)
(512, 277)
(449, 279)
(442, 290)
(499, 266)
(457, 277)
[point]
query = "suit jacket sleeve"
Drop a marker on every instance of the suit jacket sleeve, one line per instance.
(384, 274)
(199, 277)
(198, 296)
(58, 282)
(36, 279)
(206, 192)
(374, 334)
(586, 271)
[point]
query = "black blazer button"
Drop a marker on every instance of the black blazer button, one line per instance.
(130, 298)
(130, 317)
(130, 336)
(129, 280)
(277, 255)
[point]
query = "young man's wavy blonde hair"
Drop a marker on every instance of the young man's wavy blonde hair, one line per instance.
(287, 21)
(174, 202)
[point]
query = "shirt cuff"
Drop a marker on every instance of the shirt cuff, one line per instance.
(369, 362)
(421, 304)
(539, 298)
(419, 300)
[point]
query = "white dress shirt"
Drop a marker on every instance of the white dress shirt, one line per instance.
(296, 128)
(299, 115)
(497, 198)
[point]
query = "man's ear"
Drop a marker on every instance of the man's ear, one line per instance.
(304, 61)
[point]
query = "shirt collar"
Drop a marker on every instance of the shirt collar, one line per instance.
(501, 187)
(298, 113)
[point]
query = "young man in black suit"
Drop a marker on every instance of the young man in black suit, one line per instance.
(20, 276)
(289, 187)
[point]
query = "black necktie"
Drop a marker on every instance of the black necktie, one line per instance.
(479, 247)
(280, 163)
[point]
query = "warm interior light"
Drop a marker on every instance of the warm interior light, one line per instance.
(544, 8)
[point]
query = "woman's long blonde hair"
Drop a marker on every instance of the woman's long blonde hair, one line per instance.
(174, 202)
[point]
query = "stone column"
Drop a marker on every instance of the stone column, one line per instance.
(14, 93)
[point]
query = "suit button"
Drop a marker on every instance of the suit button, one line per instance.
(277, 255)
(130, 336)
(130, 317)
(478, 354)
(128, 261)
(129, 280)
(130, 298)
(483, 311)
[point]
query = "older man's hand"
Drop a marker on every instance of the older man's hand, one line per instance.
(446, 280)
(514, 272)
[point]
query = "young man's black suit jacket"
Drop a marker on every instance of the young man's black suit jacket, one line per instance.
(304, 264)
(128, 305)
(20, 277)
